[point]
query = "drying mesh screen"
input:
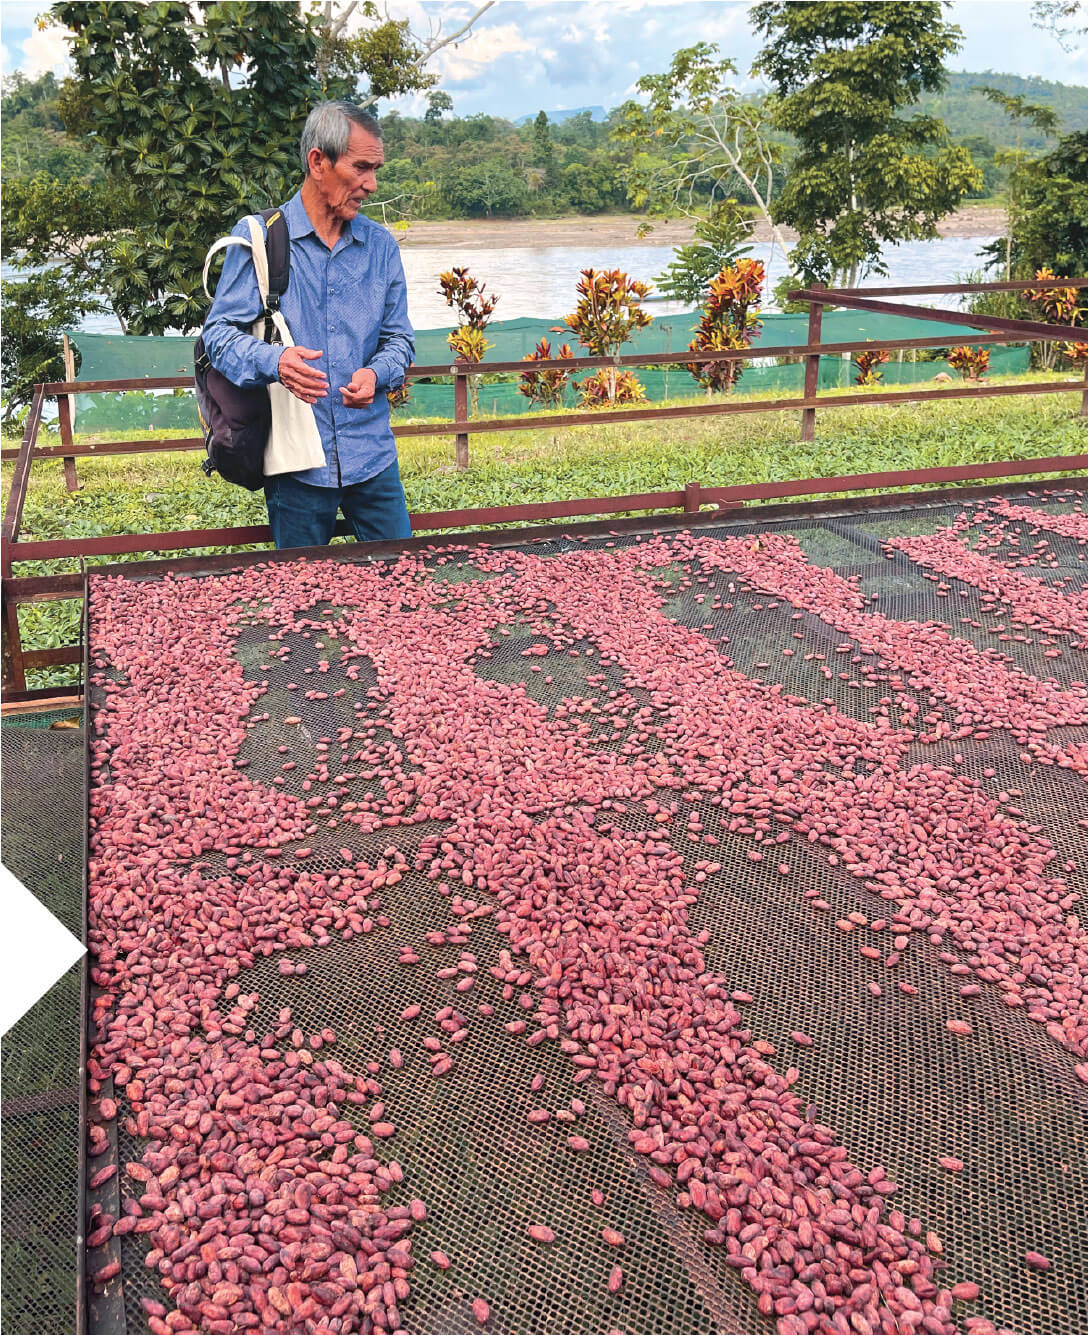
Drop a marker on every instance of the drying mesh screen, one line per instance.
(898, 1088)
(43, 847)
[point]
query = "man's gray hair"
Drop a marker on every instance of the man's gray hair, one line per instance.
(328, 127)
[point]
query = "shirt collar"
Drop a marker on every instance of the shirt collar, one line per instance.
(298, 220)
(299, 224)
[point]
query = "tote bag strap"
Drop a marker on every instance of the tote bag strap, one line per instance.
(260, 257)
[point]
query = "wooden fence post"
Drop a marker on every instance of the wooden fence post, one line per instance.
(460, 413)
(11, 654)
(812, 368)
(66, 413)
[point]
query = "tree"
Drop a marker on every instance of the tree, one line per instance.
(1049, 218)
(545, 387)
(590, 187)
(1021, 112)
(66, 231)
(1048, 197)
(485, 189)
(35, 311)
(544, 149)
(1064, 19)
(863, 175)
(469, 342)
(198, 111)
(438, 103)
(189, 149)
(730, 320)
(387, 55)
(34, 139)
(718, 242)
(609, 310)
(868, 364)
(714, 140)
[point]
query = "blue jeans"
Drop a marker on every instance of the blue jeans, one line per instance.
(304, 516)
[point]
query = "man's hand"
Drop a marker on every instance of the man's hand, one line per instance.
(305, 382)
(360, 393)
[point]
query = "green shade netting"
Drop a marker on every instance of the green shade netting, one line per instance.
(122, 357)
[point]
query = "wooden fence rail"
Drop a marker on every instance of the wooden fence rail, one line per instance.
(19, 591)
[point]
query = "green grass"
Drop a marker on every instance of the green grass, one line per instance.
(160, 492)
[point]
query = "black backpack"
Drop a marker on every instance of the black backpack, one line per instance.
(236, 422)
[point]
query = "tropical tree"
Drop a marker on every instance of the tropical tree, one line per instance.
(1066, 20)
(469, 342)
(609, 310)
(719, 242)
(35, 311)
(486, 189)
(1048, 212)
(198, 110)
(545, 387)
(700, 140)
(864, 173)
(730, 320)
(971, 362)
(61, 235)
(383, 53)
(1021, 112)
(869, 364)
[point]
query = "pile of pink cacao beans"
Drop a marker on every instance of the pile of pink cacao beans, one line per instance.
(262, 1202)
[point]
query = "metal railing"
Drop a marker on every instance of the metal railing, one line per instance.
(17, 591)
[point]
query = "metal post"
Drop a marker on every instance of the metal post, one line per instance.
(66, 412)
(692, 497)
(460, 413)
(812, 370)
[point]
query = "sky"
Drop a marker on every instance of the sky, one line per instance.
(526, 55)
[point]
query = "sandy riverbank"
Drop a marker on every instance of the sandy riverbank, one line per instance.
(622, 229)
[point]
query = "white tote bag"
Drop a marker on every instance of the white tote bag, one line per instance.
(294, 443)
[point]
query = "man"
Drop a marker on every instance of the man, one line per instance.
(346, 307)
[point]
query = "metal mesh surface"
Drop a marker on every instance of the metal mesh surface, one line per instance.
(898, 1088)
(43, 847)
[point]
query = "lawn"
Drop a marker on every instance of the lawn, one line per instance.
(160, 492)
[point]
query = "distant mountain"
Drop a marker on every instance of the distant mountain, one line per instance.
(595, 114)
(968, 113)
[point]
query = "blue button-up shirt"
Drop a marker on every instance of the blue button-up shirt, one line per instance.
(351, 304)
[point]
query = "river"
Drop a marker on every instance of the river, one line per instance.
(539, 281)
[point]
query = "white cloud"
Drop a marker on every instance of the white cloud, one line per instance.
(45, 50)
(466, 60)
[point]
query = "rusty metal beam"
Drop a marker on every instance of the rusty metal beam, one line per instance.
(1029, 329)
(935, 289)
(119, 543)
(105, 447)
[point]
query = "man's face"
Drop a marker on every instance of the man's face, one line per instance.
(346, 183)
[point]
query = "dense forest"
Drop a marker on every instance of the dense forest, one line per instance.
(447, 166)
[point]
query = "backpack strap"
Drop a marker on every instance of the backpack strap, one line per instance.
(278, 248)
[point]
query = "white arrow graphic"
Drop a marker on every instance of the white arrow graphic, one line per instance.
(35, 949)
